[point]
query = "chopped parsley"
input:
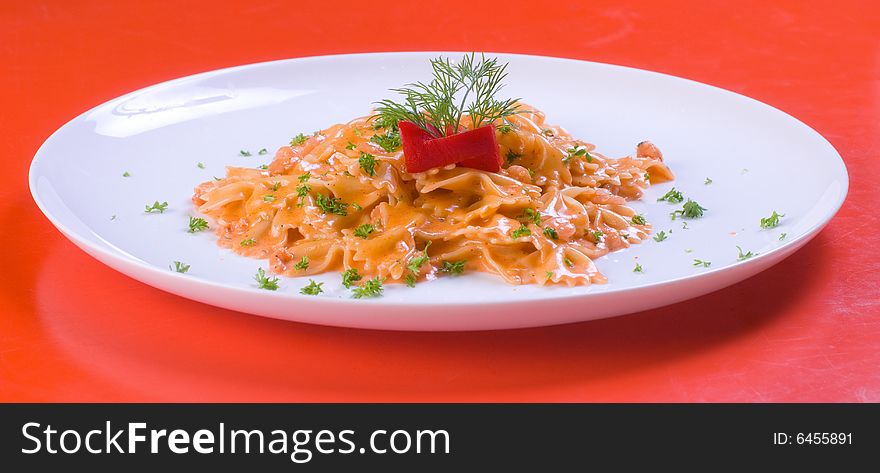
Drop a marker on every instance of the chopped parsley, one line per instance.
(298, 140)
(551, 233)
(370, 288)
(520, 232)
(639, 220)
(453, 267)
(410, 280)
(699, 262)
(331, 205)
(114, 218)
(690, 209)
(264, 282)
(304, 188)
(126, 174)
(549, 275)
(512, 156)
(156, 207)
(575, 152)
(179, 267)
(263, 167)
(350, 145)
(660, 236)
(707, 181)
(262, 151)
(744, 256)
(673, 197)
(638, 268)
(597, 235)
(197, 224)
(350, 276)
(389, 142)
(364, 230)
(547, 132)
(244, 153)
(312, 289)
(647, 176)
(531, 215)
(248, 242)
(684, 226)
(416, 262)
(200, 165)
(782, 236)
(505, 128)
(771, 221)
(356, 206)
(567, 262)
(275, 185)
(303, 264)
(269, 198)
(368, 163)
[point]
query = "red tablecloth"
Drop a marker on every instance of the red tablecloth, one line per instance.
(808, 329)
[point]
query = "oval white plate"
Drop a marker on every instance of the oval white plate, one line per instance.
(759, 159)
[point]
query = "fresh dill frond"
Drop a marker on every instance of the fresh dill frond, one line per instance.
(467, 87)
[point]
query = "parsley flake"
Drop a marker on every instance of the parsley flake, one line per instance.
(126, 174)
(303, 264)
(638, 268)
(744, 256)
(368, 163)
(389, 142)
(312, 289)
(298, 140)
(264, 282)
(416, 262)
(248, 242)
(364, 230)
(200, 165)
(673, 197)
(660, 236)
(350, 276)
(551, 233)
(269, 198)
(244, 153)
(370, 288)
(772, 221)
(262, 151)
(331, 205)
(531, 215)
(512, 156)
(179, 267)
(156, 207)
(690, 209)
(520, 232)
(699, 262)
(639, 220)
(453, 267)
(782, 236)
(707, 181)
(197, 224)
(350, 145)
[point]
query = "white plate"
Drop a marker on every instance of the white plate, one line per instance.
(759, 160)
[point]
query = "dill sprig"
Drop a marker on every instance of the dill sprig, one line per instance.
(467, 87)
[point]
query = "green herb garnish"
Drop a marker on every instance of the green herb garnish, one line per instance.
(410, 280)
(551, 233)
(520, 232)
(416, 262)
(264, 282)
(690, 209)
(126, 174)
(660, 236)
(331, 205)
(303, 264)
(639, 220)
(156, 207)
(531, 215)
(244, 153)
(312, 289)
(389, 142)
(574, 152)
(744, 256)
(248, 242)
(269, 198)
(699, 262)
(707, 181)
(350, 276)
(197, 224)
(363, 231)
(350, 145)
(597, 235)
(673, 197)
(262, 151)
(638, 268)
(782, 236)
(467, 87)
(179, 267)
(512, 156)
(298, 140)
(368, 163)
(771, 221)
(370, 288)
(453, 267)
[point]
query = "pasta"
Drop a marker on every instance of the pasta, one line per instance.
(339, 200)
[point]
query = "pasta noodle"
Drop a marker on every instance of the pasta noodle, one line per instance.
(555, 207)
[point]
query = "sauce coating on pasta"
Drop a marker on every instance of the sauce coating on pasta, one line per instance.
(339, 200)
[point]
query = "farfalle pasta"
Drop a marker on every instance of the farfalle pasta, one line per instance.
(342, 199)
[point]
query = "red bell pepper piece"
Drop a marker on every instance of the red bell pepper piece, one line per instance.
(476, 149)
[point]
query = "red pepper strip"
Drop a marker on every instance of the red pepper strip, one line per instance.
(476, 149)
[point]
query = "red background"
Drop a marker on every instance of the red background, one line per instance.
(72, 329)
